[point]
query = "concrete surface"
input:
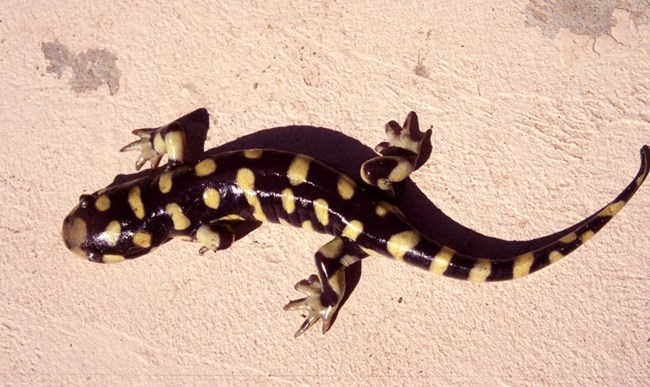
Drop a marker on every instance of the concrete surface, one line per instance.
(538, 109)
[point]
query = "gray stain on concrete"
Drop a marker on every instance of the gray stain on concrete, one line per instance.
(593, 18)
(90, 69)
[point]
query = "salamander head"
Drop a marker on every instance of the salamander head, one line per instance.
(102, 231)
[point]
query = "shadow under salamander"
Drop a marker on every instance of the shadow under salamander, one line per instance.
(346, 155)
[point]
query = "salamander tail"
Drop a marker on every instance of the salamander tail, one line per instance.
(451, 264)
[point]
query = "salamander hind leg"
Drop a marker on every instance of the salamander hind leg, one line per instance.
(325, 290)
(399, 155)
(154, 143)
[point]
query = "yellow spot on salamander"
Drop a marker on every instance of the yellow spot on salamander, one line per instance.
(288, 201)
(348, 260)
(159, 144)
(332, 249)
(521, 265)
(401, 171)
(211, 198)
(384, 208)
(74, 233)
(135, 202)
(298, 170)
(205, 168)
(102, 203)
(253, 153)
(321, 208)
(112, 258)
(402, 242)
(165, 182)
(175, 143)
(612, 209)
(208, 238)
(481, 270)
(586, 236)
(142, 239)
(307, 225)
(112, 233)
(345, 187)
(441, 261)
(352, 230)
(246, 181)
(568, 238)
(639, 180)
(555, 256)
(231, 217)
(181, 222)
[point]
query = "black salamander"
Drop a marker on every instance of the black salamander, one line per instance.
(213, 200)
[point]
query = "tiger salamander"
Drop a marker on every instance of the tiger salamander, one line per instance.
(212, 200)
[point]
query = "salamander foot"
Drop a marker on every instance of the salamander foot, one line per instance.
(313, 304)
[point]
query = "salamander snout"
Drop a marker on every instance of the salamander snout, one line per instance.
(75, 231)
(90, 234)
(104, 226)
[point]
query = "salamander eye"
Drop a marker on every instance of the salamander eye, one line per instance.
(93, 256)
(85, 200)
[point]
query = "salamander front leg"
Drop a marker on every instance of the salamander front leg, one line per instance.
(214, 237)
(399, 155)
(325, 290)
(222, 234)
(154, 143)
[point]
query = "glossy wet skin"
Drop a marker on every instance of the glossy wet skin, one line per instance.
(209, 201)
(100, 231)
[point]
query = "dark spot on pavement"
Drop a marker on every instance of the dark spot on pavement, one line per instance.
(593, 18)
(90, 69)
